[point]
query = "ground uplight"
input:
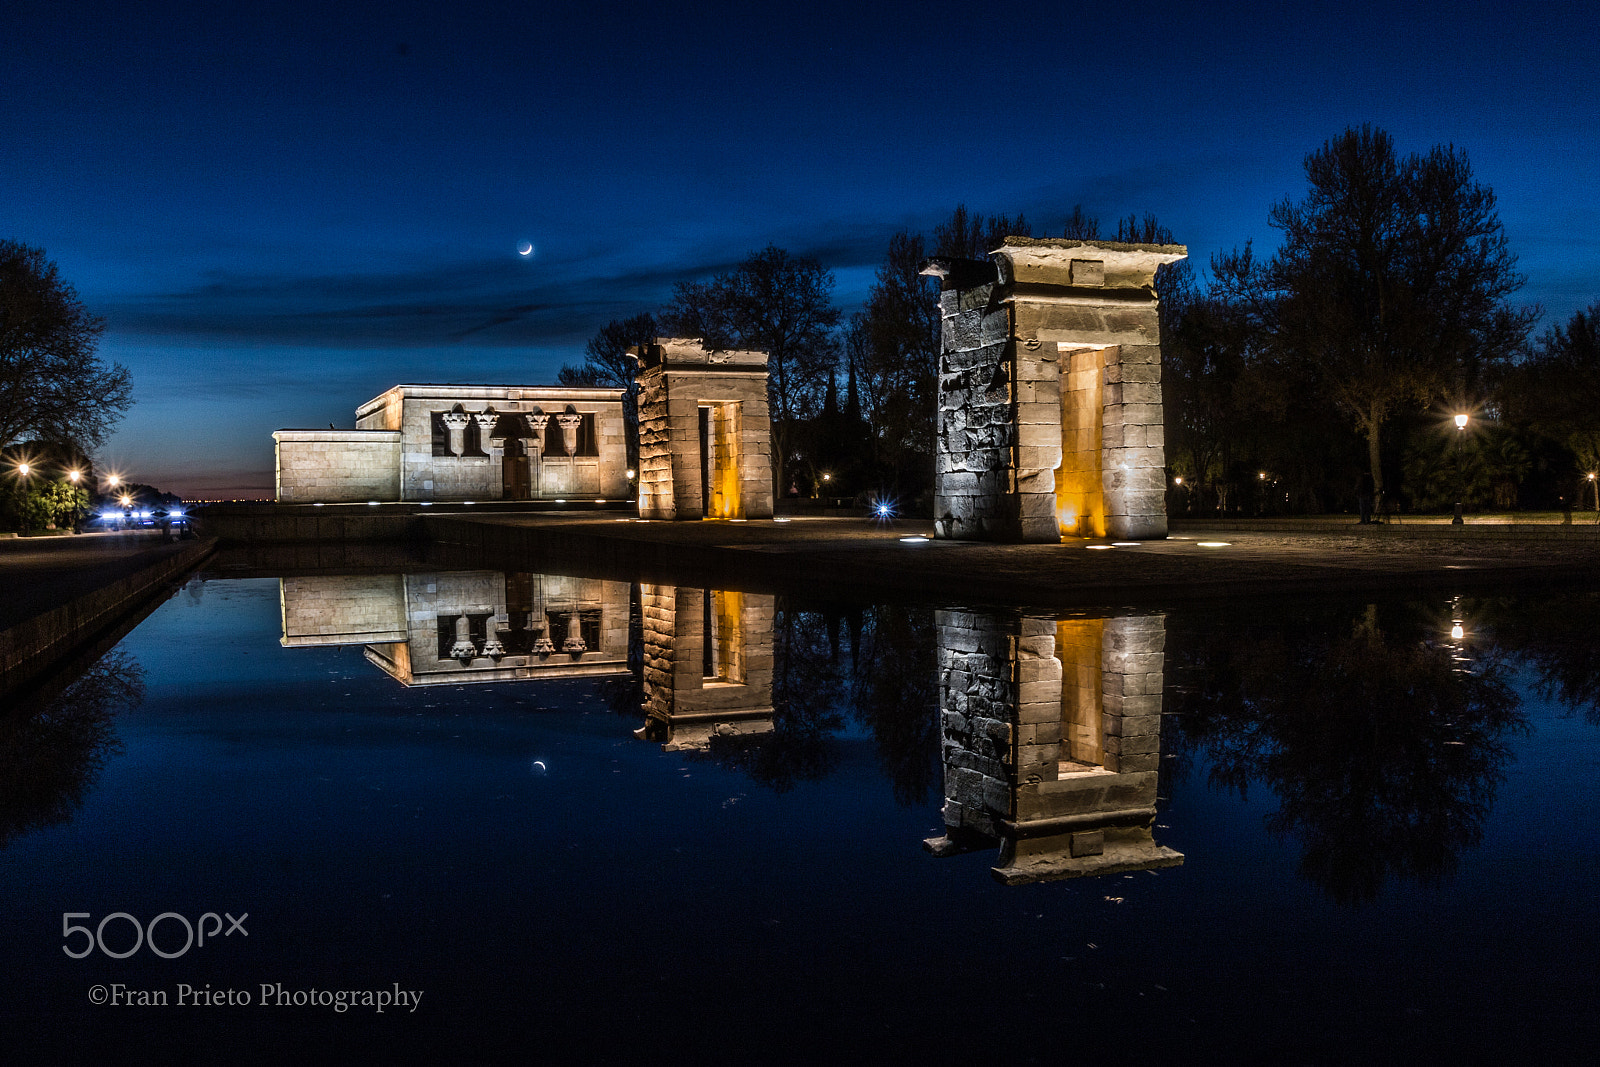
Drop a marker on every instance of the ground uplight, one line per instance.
(1213, 544)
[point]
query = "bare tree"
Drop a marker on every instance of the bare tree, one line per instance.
(607, 363)
(52, 385)
(781, 305)
(1392, 279)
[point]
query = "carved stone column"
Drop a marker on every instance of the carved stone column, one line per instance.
(493, 647)
(569, 431)
(574, 642)
(537, 421)
(486, 421)
(456, 423)
(463, 649)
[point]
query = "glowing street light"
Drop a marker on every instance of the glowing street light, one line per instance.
(23, 469)
(1461, 482)
(73, 476)
(1461, 422)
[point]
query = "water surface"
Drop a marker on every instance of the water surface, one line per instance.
(735, 826)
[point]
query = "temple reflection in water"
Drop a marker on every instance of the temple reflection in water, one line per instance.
(707, 665)
(707, 652)
(1051, 742)
(465, 626)
(1050, 729)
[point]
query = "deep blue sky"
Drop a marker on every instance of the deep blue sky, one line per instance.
(283, 208)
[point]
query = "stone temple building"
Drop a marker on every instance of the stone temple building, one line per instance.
(705, 441)
(463, 442)
(1049, 415)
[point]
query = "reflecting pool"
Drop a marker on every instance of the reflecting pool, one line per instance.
(535, 815)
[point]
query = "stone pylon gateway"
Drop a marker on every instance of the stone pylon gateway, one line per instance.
(1050, 415)
(705, 441)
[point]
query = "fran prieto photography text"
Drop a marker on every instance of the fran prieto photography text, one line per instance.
(171, 935)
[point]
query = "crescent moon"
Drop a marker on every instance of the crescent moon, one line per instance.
(539, 763)
(525, 248)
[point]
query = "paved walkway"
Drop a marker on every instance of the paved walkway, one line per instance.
(40, 573)
(851, 557)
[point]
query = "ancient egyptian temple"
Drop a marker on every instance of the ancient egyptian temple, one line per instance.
(463, 442)
(705, 442)
(1049, 410)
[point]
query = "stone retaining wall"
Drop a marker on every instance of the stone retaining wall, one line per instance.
(32, 646)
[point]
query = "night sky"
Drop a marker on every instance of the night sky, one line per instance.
(282, 209)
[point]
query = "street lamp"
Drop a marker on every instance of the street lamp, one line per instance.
(1596, 496)
(1461, 484)
(73, 476)
(23, 469)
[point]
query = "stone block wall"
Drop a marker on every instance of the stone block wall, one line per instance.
(342, 609)
(1133, 655)
(336, 466)
(978, 716)
(1133, 442)
(976, 427)
(661, 496)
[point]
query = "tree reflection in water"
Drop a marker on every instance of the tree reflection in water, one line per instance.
(1556, 638)
(51, 753)
(1383, 740)
(872, 666)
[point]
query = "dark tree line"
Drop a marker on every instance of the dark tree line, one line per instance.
(1386, 311)
(1289, 379)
